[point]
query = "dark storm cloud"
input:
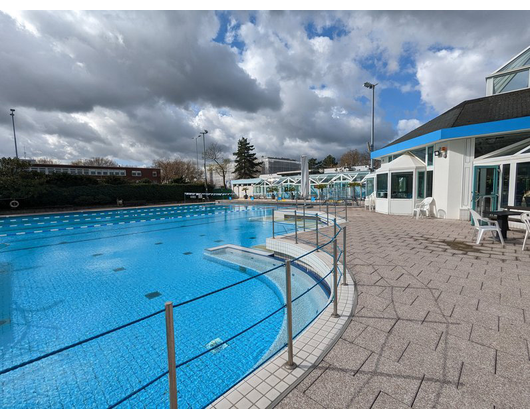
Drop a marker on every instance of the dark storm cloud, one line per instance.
(116, 60)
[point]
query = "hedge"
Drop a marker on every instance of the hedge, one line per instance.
(49, 195)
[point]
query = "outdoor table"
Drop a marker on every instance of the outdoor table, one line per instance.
(502, 218)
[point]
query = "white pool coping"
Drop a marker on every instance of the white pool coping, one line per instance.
(268, 385)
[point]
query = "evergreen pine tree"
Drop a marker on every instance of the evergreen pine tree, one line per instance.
(247, 165)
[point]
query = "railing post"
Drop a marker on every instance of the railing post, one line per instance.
(335, 313)
(295, 228)
(335, 209)
(316, 224)
(272, 223)
(346, 208)
(334, 228)
(344, 256)
(304, 215)
(327, 211)
(289, 306)
(172, 367)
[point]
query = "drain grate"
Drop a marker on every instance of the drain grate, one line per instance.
(158, 243)
(219, 240)
(4, 321)
(96, 255)
(252, 237)
(153, 295)
(188, 253)
(118, 269)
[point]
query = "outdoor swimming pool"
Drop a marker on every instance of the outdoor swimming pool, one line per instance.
(65, 278)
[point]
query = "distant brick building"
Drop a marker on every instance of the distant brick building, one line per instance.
(128, 173)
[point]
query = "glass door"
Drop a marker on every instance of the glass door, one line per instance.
(486, 189)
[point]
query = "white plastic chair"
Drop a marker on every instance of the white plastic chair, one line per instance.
(370, 202)
(525, 218)
(423, 208)
(483, 224)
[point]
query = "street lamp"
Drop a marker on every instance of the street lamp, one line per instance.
(372, 87)
(204, 158)
(14, 133)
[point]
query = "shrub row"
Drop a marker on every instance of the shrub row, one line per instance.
(50, 195)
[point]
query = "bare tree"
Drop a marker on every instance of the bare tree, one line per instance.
(354, 158)
(95, 161)
(177, 170)
(44, 160)
(221, 162)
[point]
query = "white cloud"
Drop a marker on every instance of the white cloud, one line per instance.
(447, 78)
(406, 126)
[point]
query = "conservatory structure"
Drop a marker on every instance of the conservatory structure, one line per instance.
(333, 184)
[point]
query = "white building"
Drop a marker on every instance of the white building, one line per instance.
(476, 155)
(273, 165)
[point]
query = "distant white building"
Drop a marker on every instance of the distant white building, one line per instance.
(273, 165)
(216, 179)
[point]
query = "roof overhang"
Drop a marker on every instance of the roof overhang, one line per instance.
(472, 130)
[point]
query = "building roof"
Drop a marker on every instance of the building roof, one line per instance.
(406, 161)
(476, 111)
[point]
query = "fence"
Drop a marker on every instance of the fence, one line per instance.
(139, 363)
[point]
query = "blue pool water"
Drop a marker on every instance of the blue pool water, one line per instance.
(68, 277)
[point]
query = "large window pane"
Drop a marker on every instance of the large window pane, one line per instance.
(505, 184)
(419, 153)
(401, 185)
(509, 82)
(369, 186)
(522, 185)
(429, 184)
(430, 155)
(421, 185)
(382, 185)
(485, 145)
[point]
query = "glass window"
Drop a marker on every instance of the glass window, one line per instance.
(485, 145)
(419, 153)
(369, 186)
(401, 185)
(505, 184)
(430, 155)
(509, 82)
(429, 184)
(382, 185)
(421, 185)
(155, 174)
(521, 61)
(522, 185)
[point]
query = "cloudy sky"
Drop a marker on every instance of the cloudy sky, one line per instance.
(137, 86)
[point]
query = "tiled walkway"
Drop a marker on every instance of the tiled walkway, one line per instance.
(440, 322)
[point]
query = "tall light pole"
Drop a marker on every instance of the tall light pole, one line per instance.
(372, 87)
(14, 133)
(204, 158)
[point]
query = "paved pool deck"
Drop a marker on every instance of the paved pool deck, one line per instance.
(440, 322)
